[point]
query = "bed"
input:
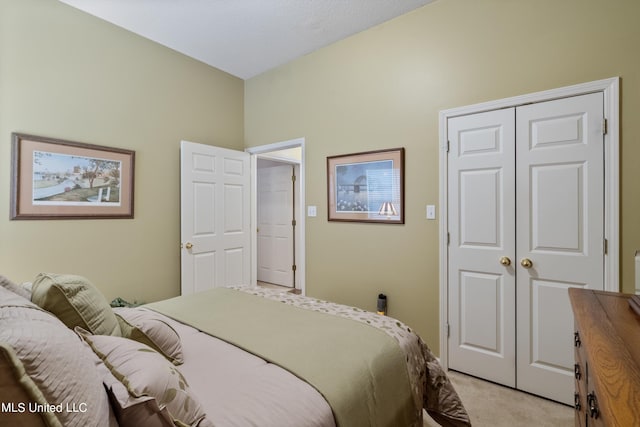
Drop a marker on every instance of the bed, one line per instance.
(237, 356)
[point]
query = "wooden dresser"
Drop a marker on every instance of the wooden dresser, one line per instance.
(607, 359)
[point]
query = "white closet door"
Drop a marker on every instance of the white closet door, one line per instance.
(482, 231)
(560, 204)
(526, 184)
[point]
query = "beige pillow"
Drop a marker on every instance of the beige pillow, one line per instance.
(59, 367)
(137, 411)
(145, 372)
(149, 328)
(18, 390)
(75, 301)
(8, 284)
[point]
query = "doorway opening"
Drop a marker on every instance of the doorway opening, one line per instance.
(278, 244)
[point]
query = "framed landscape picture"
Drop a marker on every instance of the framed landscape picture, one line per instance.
(58, 179)
(367, 187)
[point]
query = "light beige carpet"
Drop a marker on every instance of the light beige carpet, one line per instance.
(493, 405)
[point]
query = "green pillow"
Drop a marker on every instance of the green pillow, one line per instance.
(76, 302)
(51, 366)
(19, 390)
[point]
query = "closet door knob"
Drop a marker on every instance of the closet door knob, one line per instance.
(526, 263)
(189, 245)
(505, 261)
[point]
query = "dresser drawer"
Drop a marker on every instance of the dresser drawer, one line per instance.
(607, 359)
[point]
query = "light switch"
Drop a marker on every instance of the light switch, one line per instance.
(431, 212)
(311, 211)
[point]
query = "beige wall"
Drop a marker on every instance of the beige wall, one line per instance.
(65, 74)
(68, 75)
(383, 88)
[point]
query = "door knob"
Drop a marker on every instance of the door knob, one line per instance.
(526, 263)
(505, 260)
(189, 245)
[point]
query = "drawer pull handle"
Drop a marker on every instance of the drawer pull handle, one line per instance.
(576, 370)
(576, 399)
(593, 405)
(576, 339)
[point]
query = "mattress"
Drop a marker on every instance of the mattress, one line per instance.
(238, 388)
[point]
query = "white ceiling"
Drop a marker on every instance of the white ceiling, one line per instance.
(246, 37)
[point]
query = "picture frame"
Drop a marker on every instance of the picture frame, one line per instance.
(58, 179)
(366, 187)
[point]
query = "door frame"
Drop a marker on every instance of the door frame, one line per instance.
(610, 88)
(300, 256)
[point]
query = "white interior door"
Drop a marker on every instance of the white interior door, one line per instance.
(275, 214)
(214, 217)
(525, 183)
(482, 224)
(560, 216)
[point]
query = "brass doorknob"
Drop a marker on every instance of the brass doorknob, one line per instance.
(189, 245)
(505, 261)
(526, 263)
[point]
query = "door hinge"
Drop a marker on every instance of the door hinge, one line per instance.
(448, 144)
(605, 246)
(294, 267)
(448, 331)
(293, 178)
(604, 126)
(293, 222)
(448, 238)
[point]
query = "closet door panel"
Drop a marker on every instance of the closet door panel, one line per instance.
(560, 235)
(482, 217)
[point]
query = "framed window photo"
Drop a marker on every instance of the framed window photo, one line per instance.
(367, 187)
(57, 179)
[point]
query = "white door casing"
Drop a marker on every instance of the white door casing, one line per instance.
(561, 164)
(560, 217)
(482, 218)
(215, 217)
(275, 212)
(610, 88)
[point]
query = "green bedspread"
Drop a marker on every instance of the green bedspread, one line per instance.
(360, 370)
